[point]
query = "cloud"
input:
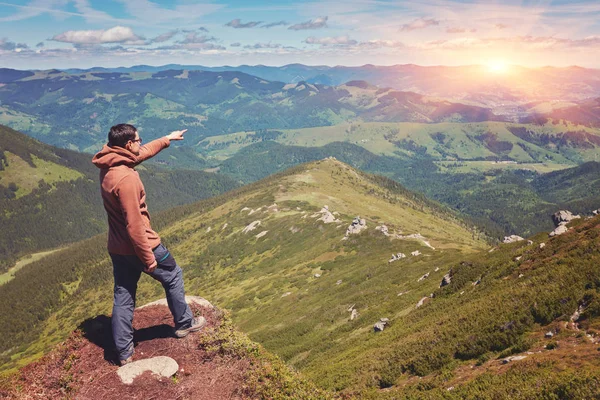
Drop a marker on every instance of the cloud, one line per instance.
(331, 41)
(191, 46)
(420, 23)
(5, 44)
(237, 24)
(501, 26)
(40, 45)
(317, 23)
(273, 24)
(263, 46)
(236, 44)
(165, 36)
(379, 43)
(459, 30)
(117, 34)
(195, 38)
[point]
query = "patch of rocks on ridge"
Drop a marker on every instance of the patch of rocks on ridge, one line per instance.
(385, 230)
(326, 216)
(353, 312)
(358, 225)
(447, 279)
(512, 239)
(381, 324)
(252, 226)
(561, 219)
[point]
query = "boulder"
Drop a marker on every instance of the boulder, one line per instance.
(396, 257)
(415, 253)
(161, 366)
(383, 229)
(263, 233)
(549, 335)
(563, 216)
(423, 277)
(422, 301)
(357, 225)
(381, 324)
(512, 239)
(326, 216)
(513, 358)
(446, 280)
(542, 245)
(559, 230)
(251, 227)
(354, 315)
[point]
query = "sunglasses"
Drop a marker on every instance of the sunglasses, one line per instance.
(137, 140)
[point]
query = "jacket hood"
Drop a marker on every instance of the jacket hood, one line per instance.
(114, 156)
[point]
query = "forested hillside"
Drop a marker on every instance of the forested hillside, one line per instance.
(50, 196)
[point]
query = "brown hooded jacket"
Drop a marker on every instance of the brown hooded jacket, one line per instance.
(129, 230)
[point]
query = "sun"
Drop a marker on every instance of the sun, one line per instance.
(497, 66)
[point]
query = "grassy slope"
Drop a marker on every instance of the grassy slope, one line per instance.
(83, 282)
(269, 283)
(443, 141)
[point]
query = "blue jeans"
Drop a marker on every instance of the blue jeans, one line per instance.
(127, 271)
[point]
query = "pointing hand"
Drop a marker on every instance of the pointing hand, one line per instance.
(176, 135)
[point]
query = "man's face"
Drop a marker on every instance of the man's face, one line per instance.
(135, 144)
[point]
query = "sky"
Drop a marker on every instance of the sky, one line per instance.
(44, 34)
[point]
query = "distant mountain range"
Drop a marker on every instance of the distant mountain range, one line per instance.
(75, 111)
(475, 84)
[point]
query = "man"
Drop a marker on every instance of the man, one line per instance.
(132, 244)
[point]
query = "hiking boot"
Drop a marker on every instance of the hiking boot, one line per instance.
(197, 324)
(126, 361)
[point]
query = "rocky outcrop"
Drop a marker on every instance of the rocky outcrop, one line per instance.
(396, 257)
(447, 279)
(383, 229)
(415, 253)
(381, 324)
(357, 226)
(512, 239)
(561, 219)
(559, 230)
(422, 301)
(423, 277)
(251, 227)
(563, 216)
(326, 216)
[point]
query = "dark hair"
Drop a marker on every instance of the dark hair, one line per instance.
(120, 134)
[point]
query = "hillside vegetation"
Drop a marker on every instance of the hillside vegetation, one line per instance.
(49, 196)
(291, 282)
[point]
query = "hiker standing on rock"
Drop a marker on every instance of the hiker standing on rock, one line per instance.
(132, 244)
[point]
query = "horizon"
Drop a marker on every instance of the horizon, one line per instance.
(84, 34)
(488, 66)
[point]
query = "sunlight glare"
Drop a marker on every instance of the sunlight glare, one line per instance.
(497, 66)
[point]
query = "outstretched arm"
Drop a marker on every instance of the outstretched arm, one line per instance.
(154, 147)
